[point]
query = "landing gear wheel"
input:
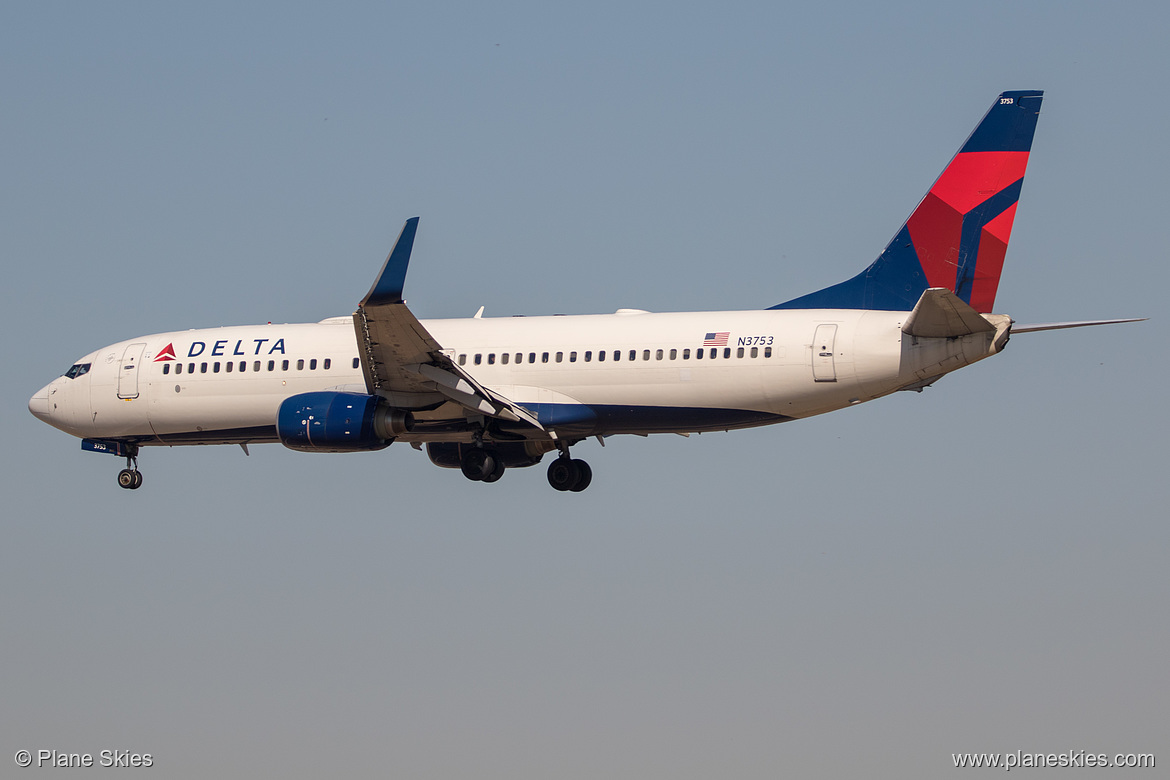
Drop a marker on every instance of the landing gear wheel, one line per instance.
(130, 479)
(562, 474)
(497, 472)
(584, 476)
(480, 465)
(568, 474)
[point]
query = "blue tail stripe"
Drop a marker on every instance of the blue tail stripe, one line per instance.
(1007, 127)
(973, 225)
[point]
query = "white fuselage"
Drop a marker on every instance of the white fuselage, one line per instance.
(631, 372)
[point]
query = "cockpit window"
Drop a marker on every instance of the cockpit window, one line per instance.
(77, 369)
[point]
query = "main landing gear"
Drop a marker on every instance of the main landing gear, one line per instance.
(486, 464)
(130, 477)
(482, 464)
(567, 473)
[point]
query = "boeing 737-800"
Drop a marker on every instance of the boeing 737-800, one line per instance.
(487, 394)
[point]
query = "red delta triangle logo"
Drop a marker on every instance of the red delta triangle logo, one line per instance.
(167, 353)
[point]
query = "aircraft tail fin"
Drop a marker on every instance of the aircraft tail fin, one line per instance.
(958, 235)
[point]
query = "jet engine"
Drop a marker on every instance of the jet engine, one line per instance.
(339, 422)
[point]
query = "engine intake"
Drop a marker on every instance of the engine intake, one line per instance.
(339, 422)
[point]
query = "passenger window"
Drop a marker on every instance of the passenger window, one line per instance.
(572, 357)
(560, 356)
(634, 354)
(271, 365)
(544, 357)
(601, 355)
(658, 355)
(504, 358)
(463, 359)
(698, 354)
(228, 366)
(588, 355)
(645, 354)
(727, 352)
(166, 368)
(243, 365)
(532, 357)
(492, 359)
(215, 367)
(256, 366)
(674, 354)
(202, 368)
(739, 352)
(755, 351)
(767, 352)
(478, 358)
(313, 364)
(190, 368)
(178, 368)
(356, 362)
(686, 354)
(325, 365)
(284, 365)
(519, 357)
(300, 364)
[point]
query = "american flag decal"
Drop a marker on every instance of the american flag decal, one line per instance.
(716, 339)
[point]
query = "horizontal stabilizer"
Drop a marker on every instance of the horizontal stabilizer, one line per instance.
(940, 314)
(1063, 325)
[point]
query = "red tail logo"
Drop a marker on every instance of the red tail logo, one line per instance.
(166, 353)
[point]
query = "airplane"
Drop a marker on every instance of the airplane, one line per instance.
(489, 394)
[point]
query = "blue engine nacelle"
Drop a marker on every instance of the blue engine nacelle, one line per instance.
(339, 422)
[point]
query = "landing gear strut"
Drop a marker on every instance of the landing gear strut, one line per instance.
(567, 473)
(130, 477)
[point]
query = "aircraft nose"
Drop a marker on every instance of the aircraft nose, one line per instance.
(39, 403)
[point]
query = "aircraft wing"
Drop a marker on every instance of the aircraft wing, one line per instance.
(401, 360)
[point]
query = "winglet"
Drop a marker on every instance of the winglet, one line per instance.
(388, 286)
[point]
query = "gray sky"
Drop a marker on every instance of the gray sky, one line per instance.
(981, 567)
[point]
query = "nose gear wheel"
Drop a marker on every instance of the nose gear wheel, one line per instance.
(130, 477)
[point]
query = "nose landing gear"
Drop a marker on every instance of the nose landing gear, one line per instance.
(130, 477)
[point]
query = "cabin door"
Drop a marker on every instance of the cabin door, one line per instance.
(128, 371)
(822, 354)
